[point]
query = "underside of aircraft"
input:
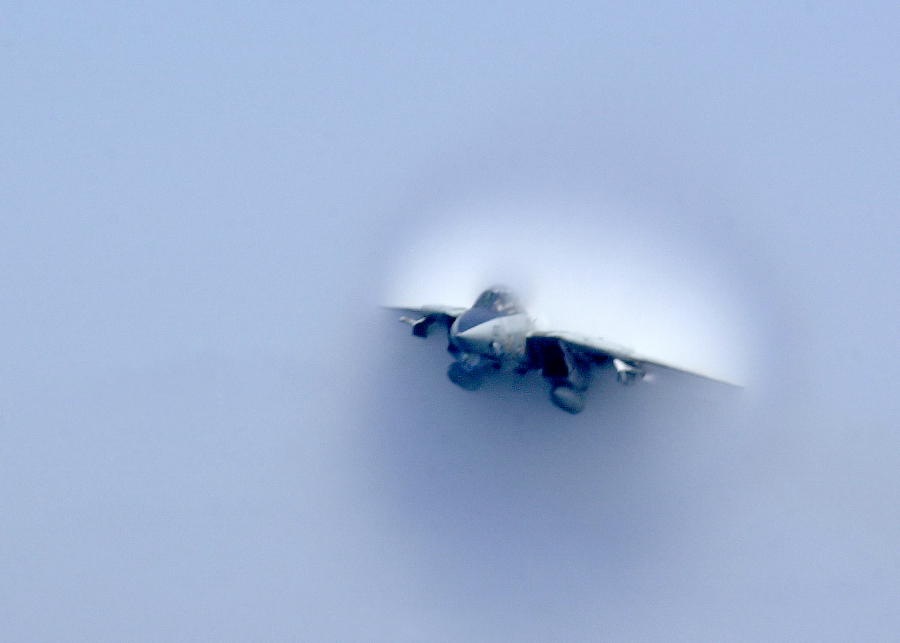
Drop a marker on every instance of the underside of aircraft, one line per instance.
(496, 333)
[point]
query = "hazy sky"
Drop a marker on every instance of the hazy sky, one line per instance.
(209, 431)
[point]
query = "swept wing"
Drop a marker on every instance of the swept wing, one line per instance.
(627, 362)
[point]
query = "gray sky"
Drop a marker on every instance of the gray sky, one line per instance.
(208, 430)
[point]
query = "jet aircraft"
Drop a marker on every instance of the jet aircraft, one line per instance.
(497, 333)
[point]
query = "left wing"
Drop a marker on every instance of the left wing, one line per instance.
(628, 363)
(422, 317)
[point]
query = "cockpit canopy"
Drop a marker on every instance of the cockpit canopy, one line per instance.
(499, 300)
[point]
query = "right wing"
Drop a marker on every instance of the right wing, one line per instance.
(422, 317)
(627, 362)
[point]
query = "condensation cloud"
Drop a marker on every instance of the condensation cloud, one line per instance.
(585, 269)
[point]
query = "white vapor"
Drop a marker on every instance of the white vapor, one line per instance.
(596, 269)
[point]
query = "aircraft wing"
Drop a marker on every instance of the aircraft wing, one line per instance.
(627, 362)
(422, 317)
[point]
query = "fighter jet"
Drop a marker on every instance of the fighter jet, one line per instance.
(497, 334)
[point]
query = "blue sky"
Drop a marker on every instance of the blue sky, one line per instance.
(207, 431)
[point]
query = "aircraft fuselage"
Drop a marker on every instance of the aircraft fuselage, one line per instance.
(496, 333)
(481, 335)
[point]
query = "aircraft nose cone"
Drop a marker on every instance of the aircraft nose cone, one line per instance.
(480, 333)
(477, 338)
